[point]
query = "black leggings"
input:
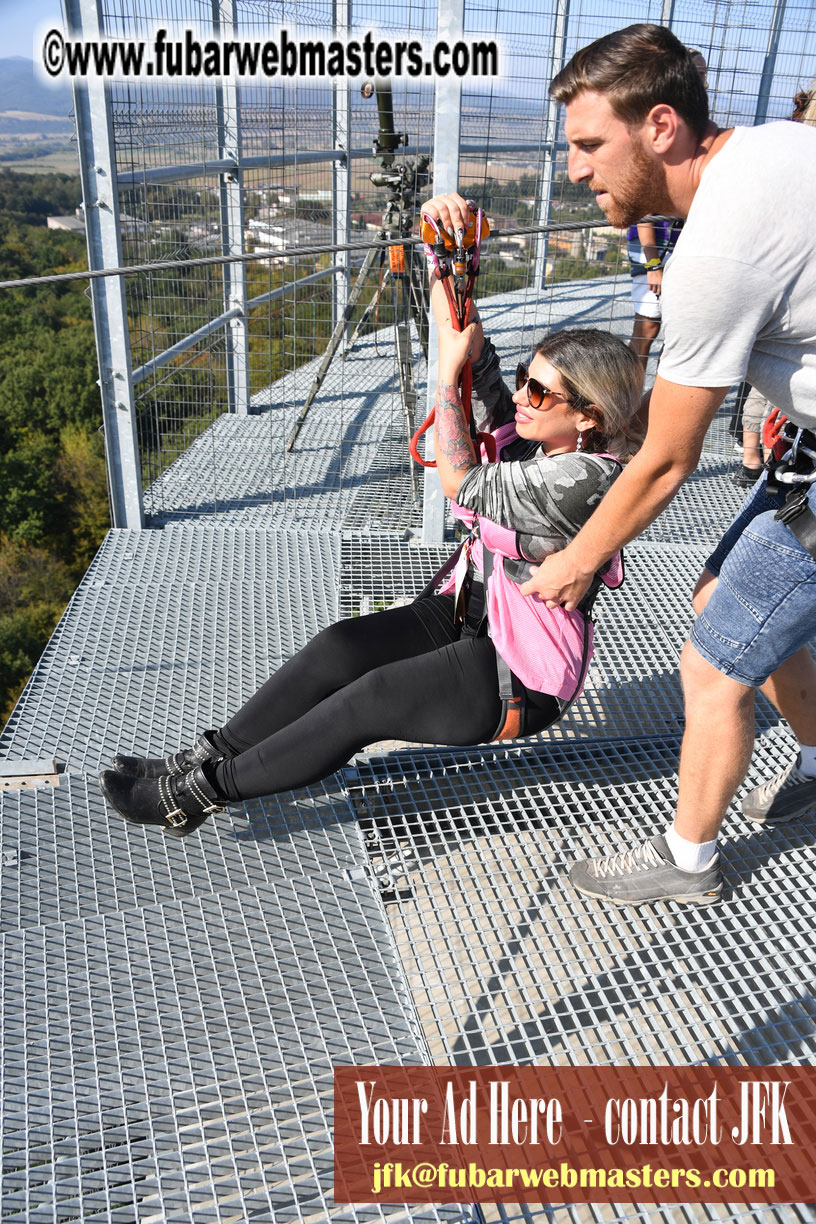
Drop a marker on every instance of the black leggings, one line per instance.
(407, 673)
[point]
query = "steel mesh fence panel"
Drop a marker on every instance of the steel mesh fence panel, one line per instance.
(175, 144)
(285, 141)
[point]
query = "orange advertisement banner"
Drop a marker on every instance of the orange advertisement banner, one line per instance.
(575, 1134)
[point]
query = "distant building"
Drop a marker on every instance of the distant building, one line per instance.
(130, 226)
(315, 197)
(74, 223)
(283, 234)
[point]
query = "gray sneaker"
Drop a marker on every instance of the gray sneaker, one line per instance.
(647, 872)
(787, 796)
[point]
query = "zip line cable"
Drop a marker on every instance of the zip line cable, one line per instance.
(292, 253)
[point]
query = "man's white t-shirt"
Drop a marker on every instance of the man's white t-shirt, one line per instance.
(739, 293)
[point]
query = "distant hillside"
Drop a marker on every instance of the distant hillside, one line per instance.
(21, 91)
(36, 130)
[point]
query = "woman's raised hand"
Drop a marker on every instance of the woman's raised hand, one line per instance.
(455, 348)
(452, 211)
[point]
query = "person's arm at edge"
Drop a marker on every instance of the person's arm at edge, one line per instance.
(648, 240)
(647, 236)
(678, 419)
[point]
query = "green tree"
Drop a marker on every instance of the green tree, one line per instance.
(54, 510)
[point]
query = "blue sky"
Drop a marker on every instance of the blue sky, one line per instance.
(18, 21)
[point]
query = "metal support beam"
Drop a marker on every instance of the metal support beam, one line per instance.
(184, 345)
(447, 118)
(667, 16)
(228, 111)
(100, 196)
(769, 66)
(559, 45)
(150, 176)
(341, 169)
(196, 337)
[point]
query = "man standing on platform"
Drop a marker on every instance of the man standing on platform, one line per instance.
(739, 301)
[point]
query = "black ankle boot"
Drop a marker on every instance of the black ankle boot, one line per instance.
(177, 805)
(204, 749)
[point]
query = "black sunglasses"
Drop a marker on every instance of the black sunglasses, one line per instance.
(536, 391)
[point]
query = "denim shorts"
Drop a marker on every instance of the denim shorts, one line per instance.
(764, 605)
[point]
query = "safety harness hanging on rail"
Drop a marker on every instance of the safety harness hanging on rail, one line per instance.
(456, 263)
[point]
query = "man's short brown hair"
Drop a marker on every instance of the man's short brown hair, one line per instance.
(637, 68)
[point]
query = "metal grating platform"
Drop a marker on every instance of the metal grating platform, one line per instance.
(795, 1213)
(66, 855)
(509, 965)
(168, 633)
(175, 1062)
(702, 508)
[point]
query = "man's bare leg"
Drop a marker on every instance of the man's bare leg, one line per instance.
(719, 736)
(718, 740)
(717, 746)
(792, 689)
(644, 332)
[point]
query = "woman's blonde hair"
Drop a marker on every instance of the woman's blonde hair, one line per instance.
(603, 379)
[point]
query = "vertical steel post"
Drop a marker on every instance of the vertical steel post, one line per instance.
(447, 118)
(559, 44)
(230, 191)
(667, 16)
(100, 197)
(769, 66)
(341, 170)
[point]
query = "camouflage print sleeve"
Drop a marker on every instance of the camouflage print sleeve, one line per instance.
(492, 401)
(546, 501)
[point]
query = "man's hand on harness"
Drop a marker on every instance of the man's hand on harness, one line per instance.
(561, 580)
(644, 488)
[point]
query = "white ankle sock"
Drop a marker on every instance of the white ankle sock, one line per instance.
(808, 765)
(690, 856)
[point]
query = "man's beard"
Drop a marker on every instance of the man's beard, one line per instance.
(642, 192)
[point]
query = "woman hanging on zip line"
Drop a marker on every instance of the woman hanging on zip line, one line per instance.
(470, 663)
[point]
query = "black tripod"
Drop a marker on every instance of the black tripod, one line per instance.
(406, 273)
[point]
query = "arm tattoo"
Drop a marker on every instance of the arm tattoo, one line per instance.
(453, 440)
